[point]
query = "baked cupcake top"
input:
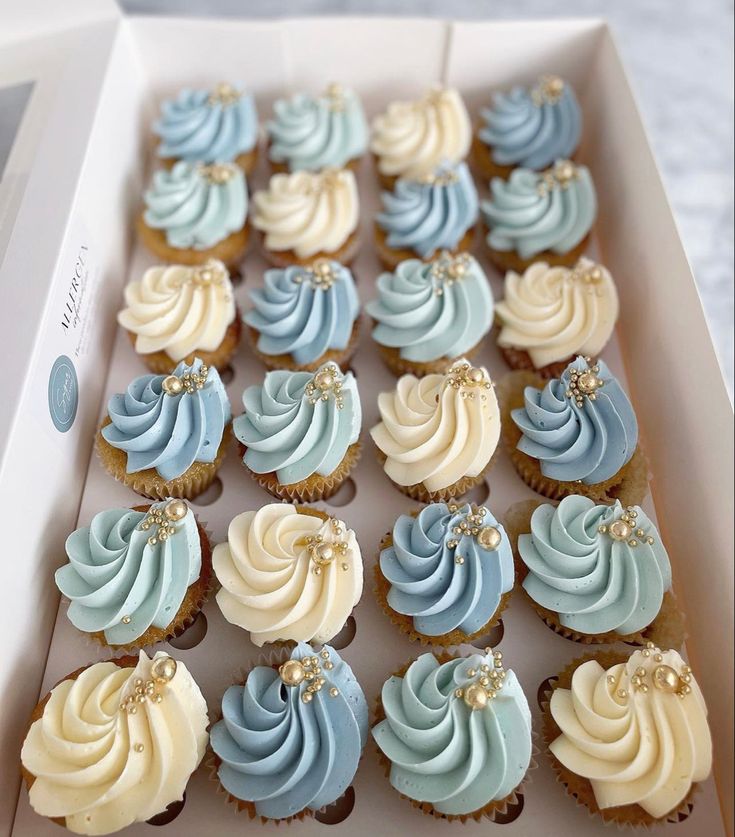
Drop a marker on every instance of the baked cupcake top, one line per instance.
(412, 138)
(291, 737)
(432, 310)
(287, 574)
(535, 211)
(169, 422)
(308, 212)
(116, 745)
(178, 309)
(130, 570)
(432, 213)
(448, 567)
(210, 126)
(314, 132)
(616, 726)
(299, 423)
(437, 429)
(533, 127)
(457, 731)
(304, 311)
(601, 568)
(197, 205)
(554, 312)
(580, 426)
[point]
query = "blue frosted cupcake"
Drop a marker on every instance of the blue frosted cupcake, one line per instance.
(540, 216)
(291, 736)
(576, 434)
(310, 133)
(445, 573)
(166, 435)
(303, 317)
(429, 314)
(422, 217)
(208, 126)
(196, 212)
(528, 127)
(138, 576)
(299, 434)
(454, 735)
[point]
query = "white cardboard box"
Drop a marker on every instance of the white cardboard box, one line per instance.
(77, 175)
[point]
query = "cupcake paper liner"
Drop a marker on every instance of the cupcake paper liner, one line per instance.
(668, 629)
(506, 260)
(521, 360)
(482, 160)
(246, 161)
(400, 366)
(148, 483)
(631, 816)
(230, 250)
(286, 258)
(392, 257)
(629, 485)
(282, 168)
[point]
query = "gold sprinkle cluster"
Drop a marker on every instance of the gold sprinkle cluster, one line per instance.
(439, 177)
(308, 670)
(189, 382)
(467, 379)
(320, 275)
(217, 173)
(322, 553)
(335, 95)
(584, 384)
(163, 518)
(163, 671)
(548, 91)
(561, 174)
(432, 98)
(586, 273)
(661, 676)
(447, 269)
(328, 180)
(624, 528)
(326, 383)
(213, 272)
(472, 525)
(489, 682)
(223, 94)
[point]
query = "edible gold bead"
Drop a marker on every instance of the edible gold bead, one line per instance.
(163, 669)
(489, 537)
(475, 696)
(176, 509)
(665, 678)
(619, 530)
(138, 748)
(292, 672)
(334, 691)
(172, 385)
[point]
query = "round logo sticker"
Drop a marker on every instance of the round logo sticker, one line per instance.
(63, 393)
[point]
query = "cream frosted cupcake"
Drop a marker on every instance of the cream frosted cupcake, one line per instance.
(177, 312)
(549, 315)
(628, 735)
(288, 573)
(307, 216)
(115, 743)
(438, 433)
(411, 139)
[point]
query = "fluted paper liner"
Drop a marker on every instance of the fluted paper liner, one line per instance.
(632, 816)
(283, 168)
(668, 629)
(506, 260)
(494, 808)
(230, 250)
(391, 356)
(286, 258)
(193, 482)
(520, 360)
(629, 485)
(391, 257)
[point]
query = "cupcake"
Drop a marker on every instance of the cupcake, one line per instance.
(454, 735)
(177, 312)
(114, 743)
(628, 735)
(309, 133)
(166, 435)
(437, 434)
(209, 126)
(596, 573)
(196, 212)
(303, 317)
(411, 139)
(137, 576)
(423, 217)
(445, 573)
(540, 216)
(291, 736)
(576, 434)
(300, 432)
(429, 314)
(549, 315)
(528, 127)
(288, 574)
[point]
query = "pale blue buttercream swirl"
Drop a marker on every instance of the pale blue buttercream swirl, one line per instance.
(531, 212)
(588, 440)
(304, 311)
(168, 432)
(194, 209)
(315, 132)
(523, 129)
(433, 310)
(199, 126)
(287, 754)
(596, 582)
(442, 751)
(115, 573)
(295, 428)
(429, 583)
(430, 215)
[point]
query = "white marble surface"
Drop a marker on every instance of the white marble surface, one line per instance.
(680, 59)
